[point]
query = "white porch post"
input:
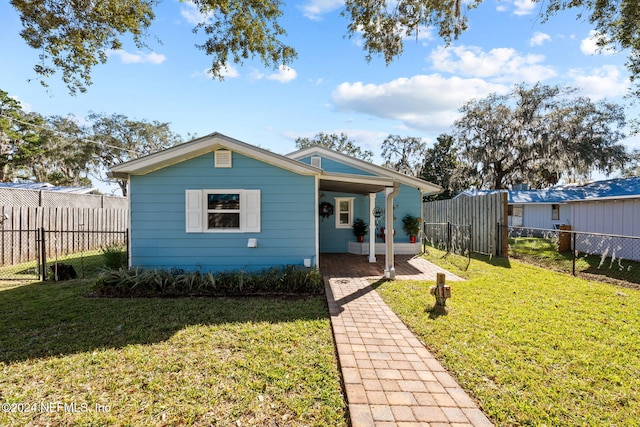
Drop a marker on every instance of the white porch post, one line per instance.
(372, 228)
(390, 193)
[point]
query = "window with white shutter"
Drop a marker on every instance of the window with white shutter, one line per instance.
(222, 211)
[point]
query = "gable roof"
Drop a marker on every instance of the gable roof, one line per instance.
(363, 184)
(380, 171)
(204, 145)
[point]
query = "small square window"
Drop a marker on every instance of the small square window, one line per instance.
(555, 212)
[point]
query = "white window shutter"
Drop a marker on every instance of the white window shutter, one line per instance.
(193, 209)
(250, 208)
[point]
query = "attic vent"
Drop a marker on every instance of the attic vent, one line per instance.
(316, 161)
(222, 159)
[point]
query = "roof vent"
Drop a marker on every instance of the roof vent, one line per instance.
(316, 161)
(222, 159)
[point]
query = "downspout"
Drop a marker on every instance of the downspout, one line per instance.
(390, 194)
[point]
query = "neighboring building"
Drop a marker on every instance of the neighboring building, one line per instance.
(609, 206)
(216, 203)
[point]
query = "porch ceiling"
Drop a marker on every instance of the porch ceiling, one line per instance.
(358, 184)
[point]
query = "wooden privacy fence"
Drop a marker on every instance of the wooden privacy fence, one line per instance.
(69, 229)
(485, 214)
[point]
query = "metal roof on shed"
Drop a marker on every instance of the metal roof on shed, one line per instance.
(45, 186)
(606, 189)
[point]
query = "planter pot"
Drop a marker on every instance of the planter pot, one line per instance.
(360, 239)
(412, 239)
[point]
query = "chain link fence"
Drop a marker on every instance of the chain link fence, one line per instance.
(599, 256)
(40, 254)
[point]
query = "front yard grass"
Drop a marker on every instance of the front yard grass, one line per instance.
(69, 360)
(533, 346)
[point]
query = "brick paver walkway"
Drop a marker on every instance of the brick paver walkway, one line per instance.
(390, 378)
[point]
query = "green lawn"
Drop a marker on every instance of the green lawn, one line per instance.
(165, 362)
(543, 252)
(533, 346)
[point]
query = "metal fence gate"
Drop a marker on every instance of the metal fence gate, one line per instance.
(29, 254)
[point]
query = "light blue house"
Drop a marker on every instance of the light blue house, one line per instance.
(216, 203)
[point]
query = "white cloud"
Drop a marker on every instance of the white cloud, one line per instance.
(606, 81)
(283, 75)
(138, 58)
(539, 38)
(314, 9)
(589, 46)
(524, 7)
(501, 64)
(427, 102)
(191, 13)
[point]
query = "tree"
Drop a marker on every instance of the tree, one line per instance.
(633, 168)
(70, 156)
(538, 135)
(385, 28)
(121, 139)
(19, 139)
(404, 155)
(335, 142)
(441, 166)
(72, 36)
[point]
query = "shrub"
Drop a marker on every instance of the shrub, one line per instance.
(115, 256)
(128, 282)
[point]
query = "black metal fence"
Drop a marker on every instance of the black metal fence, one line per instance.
(594, 255)
(41, 254)
(452, 238)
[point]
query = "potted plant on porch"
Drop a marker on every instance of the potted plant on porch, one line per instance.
(360, 229)
(411, 225)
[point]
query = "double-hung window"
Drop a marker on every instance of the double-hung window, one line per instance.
(344, 212)
(223, 211)
(220, 211)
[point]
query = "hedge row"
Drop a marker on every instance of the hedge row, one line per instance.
(137, 282)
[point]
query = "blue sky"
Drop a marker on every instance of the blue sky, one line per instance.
(330, 87)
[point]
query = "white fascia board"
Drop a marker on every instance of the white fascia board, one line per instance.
(356, 179)
(427, 188)
(204, 145)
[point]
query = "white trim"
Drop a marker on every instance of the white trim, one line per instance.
(372, 228)
(337, 201)
(317, 219)
(204, 145)
(422, 185)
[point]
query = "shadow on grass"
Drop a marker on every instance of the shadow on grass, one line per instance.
(436, 311)
(57, 318)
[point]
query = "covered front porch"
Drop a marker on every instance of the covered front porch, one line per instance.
(352, 197)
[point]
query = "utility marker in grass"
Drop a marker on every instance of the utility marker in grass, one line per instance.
(441, 291)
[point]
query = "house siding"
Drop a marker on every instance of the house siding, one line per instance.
(619, 217)
(158, 236)
(539, 216)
